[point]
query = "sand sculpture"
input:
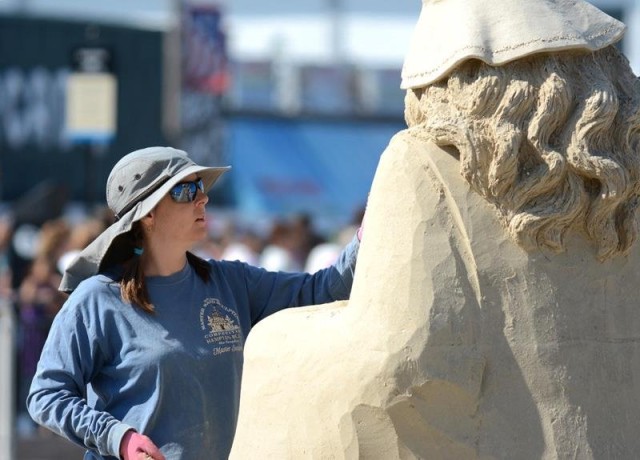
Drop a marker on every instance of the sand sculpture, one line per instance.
(494, 312)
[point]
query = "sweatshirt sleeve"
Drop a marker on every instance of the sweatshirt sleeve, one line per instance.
(57, 397)
(270, 292)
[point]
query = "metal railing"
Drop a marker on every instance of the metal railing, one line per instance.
(7, 380)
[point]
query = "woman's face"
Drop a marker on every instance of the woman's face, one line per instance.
(184, 224)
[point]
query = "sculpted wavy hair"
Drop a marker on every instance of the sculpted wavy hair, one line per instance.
(551, 140)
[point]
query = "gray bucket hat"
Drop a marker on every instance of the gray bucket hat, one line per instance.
(135, 186)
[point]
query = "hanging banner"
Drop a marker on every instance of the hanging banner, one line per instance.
(204, 53)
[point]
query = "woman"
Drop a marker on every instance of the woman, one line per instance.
(145, 357)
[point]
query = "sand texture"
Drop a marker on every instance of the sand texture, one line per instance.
(456, 342)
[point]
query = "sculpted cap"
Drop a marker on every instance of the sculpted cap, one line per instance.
(449, 32)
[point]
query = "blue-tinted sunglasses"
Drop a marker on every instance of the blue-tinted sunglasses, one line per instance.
(185, 192)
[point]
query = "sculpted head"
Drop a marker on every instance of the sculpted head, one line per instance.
(552, 139)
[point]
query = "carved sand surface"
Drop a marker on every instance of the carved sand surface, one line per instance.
(457, 343)
(494, 311)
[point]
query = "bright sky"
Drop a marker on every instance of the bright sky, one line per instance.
(376, 31)
(369, 31)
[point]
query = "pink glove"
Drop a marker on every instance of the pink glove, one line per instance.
(135, 446)
(364, 217)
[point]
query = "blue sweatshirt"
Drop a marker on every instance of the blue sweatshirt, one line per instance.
(173, 375)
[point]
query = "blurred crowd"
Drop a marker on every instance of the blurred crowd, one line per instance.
(33, 257)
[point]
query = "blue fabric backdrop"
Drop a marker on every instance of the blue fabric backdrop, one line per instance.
(324, 168)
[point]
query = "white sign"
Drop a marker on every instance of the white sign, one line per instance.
(91, 107)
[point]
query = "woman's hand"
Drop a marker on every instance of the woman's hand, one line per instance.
(135, 446)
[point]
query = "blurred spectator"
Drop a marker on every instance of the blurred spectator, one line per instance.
(38, 301)
(105, 215)
(322, 256)
(210, 248)
(280, 253)
(53, 240)
(5, 267)
(244, 246)
(21, 251)
(305, 236)
(81, 235)
(326, 253)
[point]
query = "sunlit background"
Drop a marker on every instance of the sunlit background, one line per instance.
(300, 97)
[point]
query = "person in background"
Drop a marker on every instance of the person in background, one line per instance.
(54, 239)
(80, 237)
(38, 302)
(325, 253)
(145, 358)
(245, 245)
(281, 250)
(5, 267)
(306, 235)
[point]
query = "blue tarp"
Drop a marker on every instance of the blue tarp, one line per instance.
(323, 168)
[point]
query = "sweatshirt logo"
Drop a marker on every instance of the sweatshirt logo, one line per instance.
(218, 323)
(220, 326)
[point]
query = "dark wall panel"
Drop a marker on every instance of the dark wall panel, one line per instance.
(35, 58)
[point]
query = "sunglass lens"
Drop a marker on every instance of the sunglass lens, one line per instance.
(186, 192)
